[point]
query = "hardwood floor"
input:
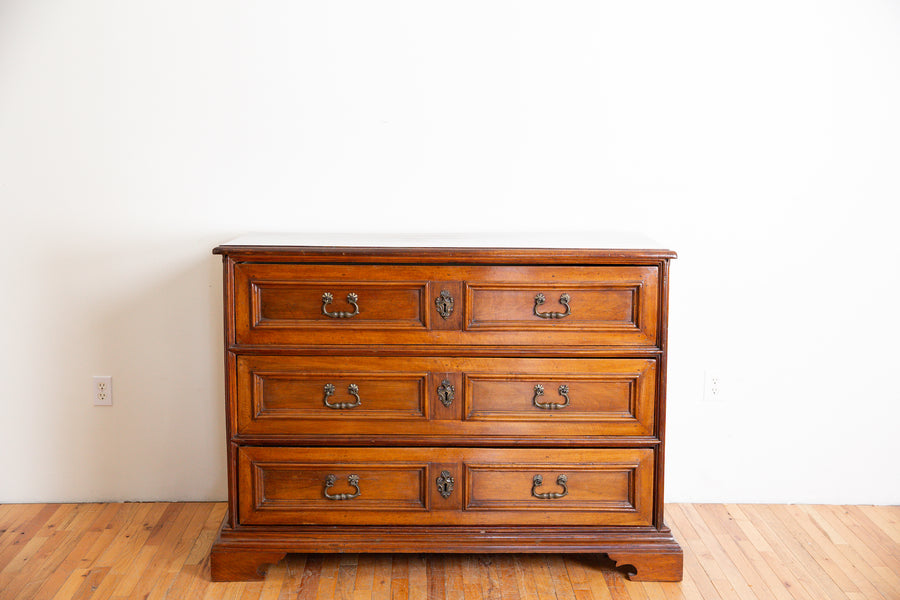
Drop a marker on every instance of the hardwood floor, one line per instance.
(160, 550)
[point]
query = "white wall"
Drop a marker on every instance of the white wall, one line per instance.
(761, 140)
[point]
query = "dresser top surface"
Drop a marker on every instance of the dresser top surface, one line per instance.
(590, 243)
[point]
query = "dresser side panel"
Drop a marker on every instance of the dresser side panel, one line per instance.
(230, 386)
(663, 329)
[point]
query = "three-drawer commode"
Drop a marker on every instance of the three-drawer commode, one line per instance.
(384, 398)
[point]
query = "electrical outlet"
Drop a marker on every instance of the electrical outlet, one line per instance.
(712, 387)
(102, 390)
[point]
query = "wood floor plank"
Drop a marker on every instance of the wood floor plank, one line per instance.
(835, 564)
(381, 582)
(694, 583)
(91, 581)
(676, 590)
(60, 541)
(593, 571)
(156, 550)
(29, 548)
(863, 558)
(616, 585)
(365, 577)
(20, 534)
(169, 556)
(400, 577)
(560, 577)
(805, 569)
(417, 577)
(881, 543)
(524, 579)
(271, 587)
(506, 570)
(716, 519)
(856, 536)
(435, 576)
(328, 577)
(707, 561)
(888, 520)
(80, 535)
(346, 576)
(192, 566)
(152, 551)
(490, 578)
(122, 515)
(775, 571)
(75, 565)
(576, 573)
(19, 519)
(294, 572)
(16, 514)
(542, 578)
(653, 590)
(5, 511)
(112, 527)
(733, 565)
(199, 548)
(121, 554)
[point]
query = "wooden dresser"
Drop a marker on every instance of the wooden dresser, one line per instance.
(428, 395)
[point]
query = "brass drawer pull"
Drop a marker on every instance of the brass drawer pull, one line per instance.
(539, 480)
(351, 479)
(539, 391)
(328, 298)
(563, 299)
(352, 389)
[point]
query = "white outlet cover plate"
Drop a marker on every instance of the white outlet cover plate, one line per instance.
(712, 386)
(102, 390)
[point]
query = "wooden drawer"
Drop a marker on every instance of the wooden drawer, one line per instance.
(375, 486)
(295, 304)
(431, 400)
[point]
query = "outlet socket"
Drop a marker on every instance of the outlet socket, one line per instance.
(712, 386)
(103, 390)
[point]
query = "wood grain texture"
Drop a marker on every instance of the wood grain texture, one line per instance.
(282, 304)
(555, 360)
(156, 551)
(448, 255)
(397, 486)
(283, 396)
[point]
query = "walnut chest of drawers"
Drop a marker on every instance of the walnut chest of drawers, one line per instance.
(438, 397)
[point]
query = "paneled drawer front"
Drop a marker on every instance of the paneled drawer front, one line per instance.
(280, 389)
(314, 397)
(599, 391)
(285, 304)
(285, 486)
(610, 305)
(289, 485)
(614, 483)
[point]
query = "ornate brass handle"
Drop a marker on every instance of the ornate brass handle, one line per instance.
(563, 299)
(351, 479)
(539, 391)
(328, 298)
(352, 389)
(539, 480)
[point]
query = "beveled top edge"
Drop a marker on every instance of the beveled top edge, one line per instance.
(592, 243)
